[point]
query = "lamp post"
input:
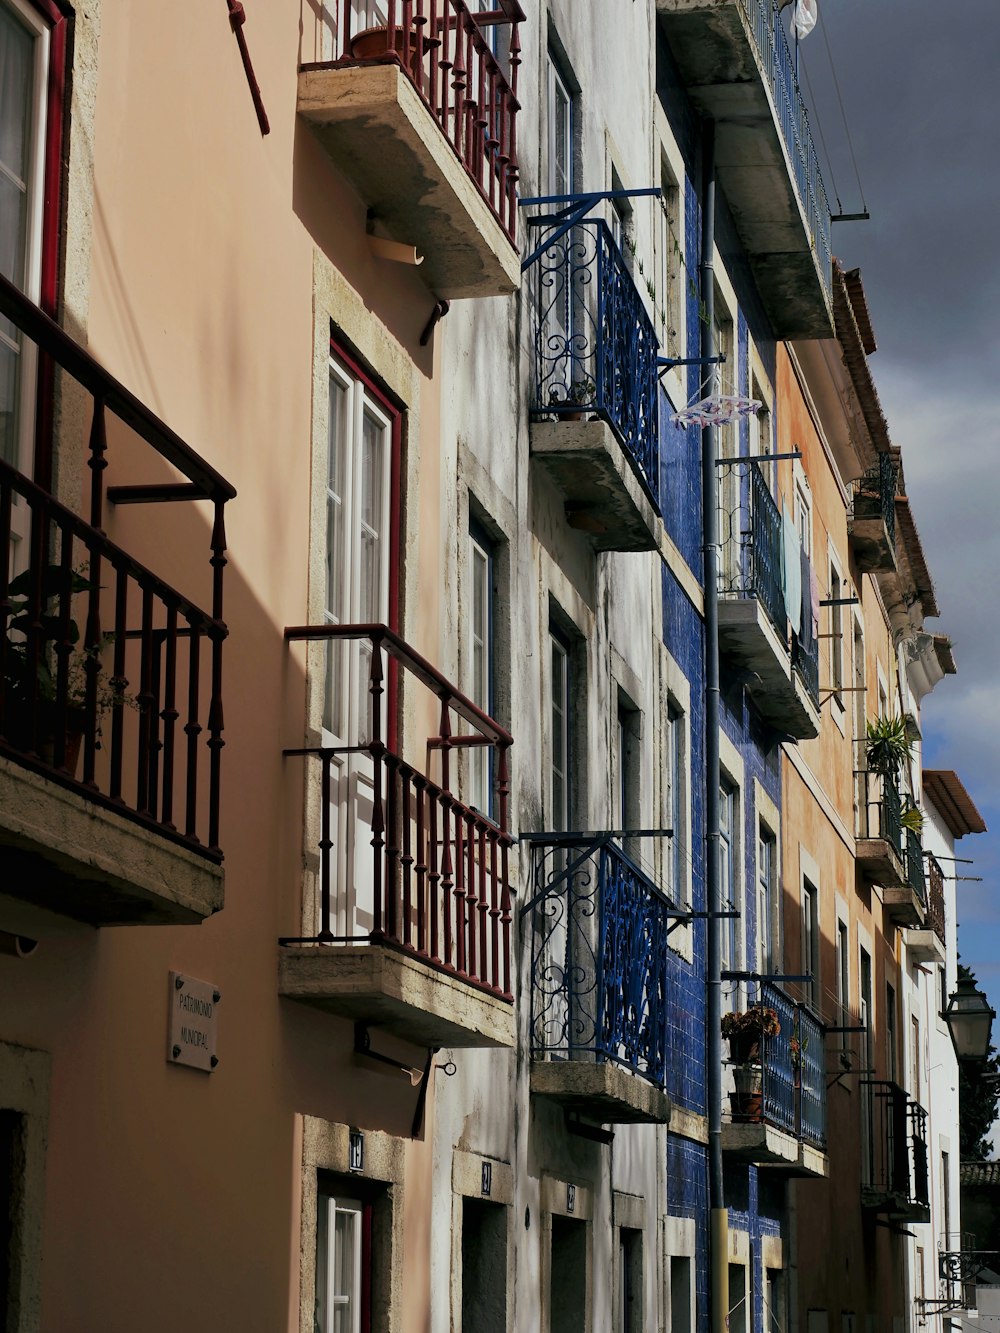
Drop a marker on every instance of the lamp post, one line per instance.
(970, 1020)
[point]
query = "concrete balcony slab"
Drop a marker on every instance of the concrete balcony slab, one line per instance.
(601, 1090)
(748, 639)
(604, 498)
(726, 76)
(925, 946)
(871, 544)
(879, 861)
(904, 906)
(68, 855)
(378, 131)
(389, 988)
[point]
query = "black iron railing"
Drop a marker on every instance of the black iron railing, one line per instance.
(875, 494)
(110, 679)
(880, 809)
(915, 865)
(436, 881)
(896, 1176)
(595, 347)
(599, 951)
(935, 899)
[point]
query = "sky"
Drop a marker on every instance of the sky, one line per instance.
(920, 88)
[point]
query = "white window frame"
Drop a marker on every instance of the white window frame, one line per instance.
(328, 1210)
(768, 944)
(560, 173)
(480, 649)
(559, 749)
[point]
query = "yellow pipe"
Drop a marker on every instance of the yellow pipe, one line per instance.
(719, 1252)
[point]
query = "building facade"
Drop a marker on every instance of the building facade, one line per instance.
(356, 667)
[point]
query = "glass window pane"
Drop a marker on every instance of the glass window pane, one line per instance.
(16, 62)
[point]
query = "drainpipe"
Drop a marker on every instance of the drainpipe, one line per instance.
(719, 1222)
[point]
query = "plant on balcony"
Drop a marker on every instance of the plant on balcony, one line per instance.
(27, 683)
(887, 746)
(746, 1028)
(912, 818)
(581, 394)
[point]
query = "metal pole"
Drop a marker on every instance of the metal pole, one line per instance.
(719, 1231)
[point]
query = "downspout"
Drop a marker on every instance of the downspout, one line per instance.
(719, 1223)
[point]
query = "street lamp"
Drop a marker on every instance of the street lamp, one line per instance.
(970, 1020)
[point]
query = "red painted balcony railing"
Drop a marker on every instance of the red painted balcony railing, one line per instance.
(440, 883)
(447, 52)
(110, 679)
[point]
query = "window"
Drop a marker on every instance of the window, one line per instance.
(674, 800)
(843, 980)
(891, 1039)
(27, 43)
(759, 425)
(561, 130)
(629, 1300)
(728, 877)
(362, 440)
(774, 1301)
(559, 795)
(739, 1317)
(343, 1264)
(627, 787)
(803, 514)
(670, 260)
(767, 901)
(915, 1057)
(481, 661)
(810, 936)
(836, 635)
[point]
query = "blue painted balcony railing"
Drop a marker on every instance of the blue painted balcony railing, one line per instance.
(793, 1080)
(751, 555)
(779, 69)
(595, 347)
(599, 950)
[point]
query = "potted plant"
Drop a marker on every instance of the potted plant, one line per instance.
(374, 43)
(912, 818)
(887, 746)
(33, 713)
(745, 1029)
(581, 394)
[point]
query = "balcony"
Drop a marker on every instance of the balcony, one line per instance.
(929, 944)
(753, 620)
(420, 115)
(894, 1180)
(872, 520)
(777, 1115)
(598, 1030)
(594, 402)
(879, 841)
(110, 679)
(733, 60)
(906, 905)
(412, 936)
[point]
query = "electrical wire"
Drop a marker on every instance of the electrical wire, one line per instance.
(843, 113)
(822, 138)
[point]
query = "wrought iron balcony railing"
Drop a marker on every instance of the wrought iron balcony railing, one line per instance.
(595, 347)
(875, 494)
(791, 1070)
(895, 1168)
(935, 899)
(750, 527)
(110, 679)
(436, 883)
(915, 865)
(779, 69)
(880, 809)
(464, 67)
(598, 928)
